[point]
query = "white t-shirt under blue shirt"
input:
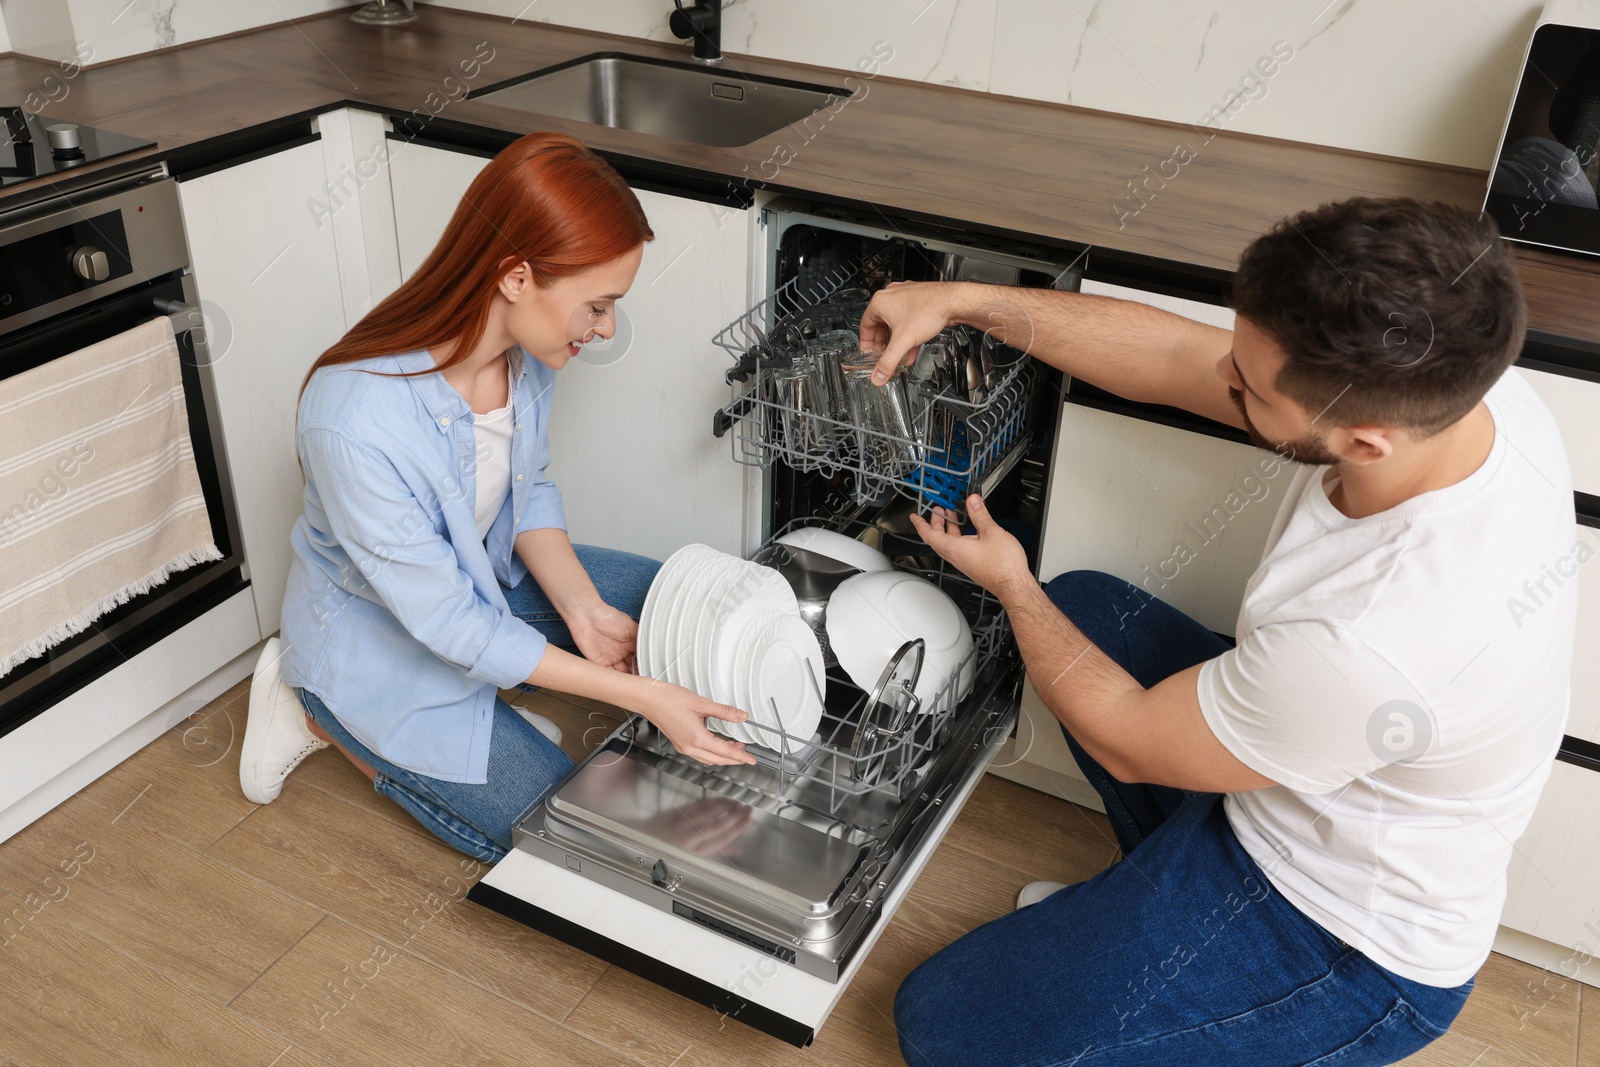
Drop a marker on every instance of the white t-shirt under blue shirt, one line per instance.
(491, 434)
(1397, 679)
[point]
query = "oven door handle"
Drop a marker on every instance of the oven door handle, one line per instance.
(183, 316)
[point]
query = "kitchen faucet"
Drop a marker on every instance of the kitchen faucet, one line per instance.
(703, 22)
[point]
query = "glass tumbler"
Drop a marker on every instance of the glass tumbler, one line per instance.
(797, 404)
(885, 436)
(830, 349)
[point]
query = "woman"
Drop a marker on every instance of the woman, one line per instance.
(432, 565)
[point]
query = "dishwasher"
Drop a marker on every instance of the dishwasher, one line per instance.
(769, 924)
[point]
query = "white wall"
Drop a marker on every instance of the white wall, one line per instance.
(110, 29)
(5, 38)
(1422, 79)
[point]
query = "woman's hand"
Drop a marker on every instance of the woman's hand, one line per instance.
(681, 715)
(606, 636)
(677, 712)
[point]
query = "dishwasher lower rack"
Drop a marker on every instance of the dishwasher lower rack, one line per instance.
(959, 444)
(793, 855)
(855, 753)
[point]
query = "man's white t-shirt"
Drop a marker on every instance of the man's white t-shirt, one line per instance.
(1404, 677)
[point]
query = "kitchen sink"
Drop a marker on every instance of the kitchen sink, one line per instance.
(719, 108)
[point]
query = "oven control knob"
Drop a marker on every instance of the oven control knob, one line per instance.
(64, 137)
(90, 264)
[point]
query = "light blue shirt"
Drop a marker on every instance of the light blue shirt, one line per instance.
(394, 614)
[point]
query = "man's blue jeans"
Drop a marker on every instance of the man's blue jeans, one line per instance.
(523, 765)
(1183, 953)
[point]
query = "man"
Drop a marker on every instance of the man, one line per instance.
(1316, 821)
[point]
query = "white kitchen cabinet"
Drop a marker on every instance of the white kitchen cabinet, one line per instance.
(359, 207)
(630, 438)
(1552, 907)
(266, 269)
(1584, 720)
(1574, 402)
(630, 434)
(1126, 495)
(1550, 885)
(1181, 514)
(426, 183)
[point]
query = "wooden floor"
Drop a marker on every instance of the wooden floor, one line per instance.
(164, 919)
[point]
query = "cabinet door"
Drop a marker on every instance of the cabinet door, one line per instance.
(427, 184)
(630, 435)
(268, 275)
(1128, 497)
(1550, 885)
(1180, 514)
(1584, 719)
(630, 438)
(1574, 402)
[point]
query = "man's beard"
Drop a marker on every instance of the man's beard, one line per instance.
(1312, 449)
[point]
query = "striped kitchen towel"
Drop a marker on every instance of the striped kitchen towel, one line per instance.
(99, 497)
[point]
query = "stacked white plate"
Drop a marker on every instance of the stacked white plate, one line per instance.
(731, 631)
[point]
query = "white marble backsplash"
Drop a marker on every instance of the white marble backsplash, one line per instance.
(1421, 79)
(112, 29)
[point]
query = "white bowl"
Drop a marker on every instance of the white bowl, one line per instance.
(870, 616)
(846, 550)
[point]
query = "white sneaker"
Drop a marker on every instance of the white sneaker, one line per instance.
(1034, 892)
(540, 723)
(276, 737)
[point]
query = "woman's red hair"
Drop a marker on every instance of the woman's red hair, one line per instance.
(545, 200)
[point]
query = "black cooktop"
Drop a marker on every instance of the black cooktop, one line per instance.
(38, 146)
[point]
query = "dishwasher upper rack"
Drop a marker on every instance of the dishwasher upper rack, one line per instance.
(959, 446)
(831, 775)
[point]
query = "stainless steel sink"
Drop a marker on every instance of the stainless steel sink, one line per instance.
(720, 108)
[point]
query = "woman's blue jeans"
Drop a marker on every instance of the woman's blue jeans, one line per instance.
(1183, 953)
(523, 764)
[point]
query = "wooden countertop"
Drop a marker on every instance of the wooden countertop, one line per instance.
(909, 148)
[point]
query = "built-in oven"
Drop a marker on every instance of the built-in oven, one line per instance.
(75, 270)
(630, 857)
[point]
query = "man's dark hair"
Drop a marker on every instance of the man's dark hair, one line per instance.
(1393, 312)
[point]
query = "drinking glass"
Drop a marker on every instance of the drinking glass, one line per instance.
(830, 349)
(798, 402)
(885, 437)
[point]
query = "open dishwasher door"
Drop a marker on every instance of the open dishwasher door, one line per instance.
(713, 883)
